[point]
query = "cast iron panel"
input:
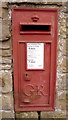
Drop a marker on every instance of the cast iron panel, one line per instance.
(34, 89)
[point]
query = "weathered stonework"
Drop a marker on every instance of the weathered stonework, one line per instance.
(6, 53)
(61, 82)
(26, 115)
(56, 114)
(6, 69)
(0, 101)
(7, 114)
(36, 1)
(0, 114)
(6, 78)
(5, 26)
(7, 102)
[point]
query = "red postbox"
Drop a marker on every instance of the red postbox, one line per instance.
(34, 33)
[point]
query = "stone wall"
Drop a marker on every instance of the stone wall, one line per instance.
(6, 60)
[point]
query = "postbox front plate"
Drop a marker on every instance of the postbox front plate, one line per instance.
(34, 34)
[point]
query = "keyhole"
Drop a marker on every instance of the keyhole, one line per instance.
(26, 75)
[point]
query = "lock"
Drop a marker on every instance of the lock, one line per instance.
(27, 77)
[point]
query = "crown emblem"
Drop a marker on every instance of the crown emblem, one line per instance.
(35, 18)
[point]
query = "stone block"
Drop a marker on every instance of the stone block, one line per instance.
(61, 101)
(2, 47)
(63, 30)
(61, 82)
(7, 102)
(32, 1)
(5, 67)
(67, 107)
(35, 1)
(6, 45)
(0, 115)
(67, 22)
(55, 114)
(26, 115)
(1, 81)
(0, 101)
(7, 114)
(5, 30)
(64, 65)
(47, 114)
(5, 61)
(4, 24)
(67, 65)
(5, 5)
(60, 114)
(67, 114)
(61, 104)
(0, 29)
(0, 10)
(61, 95)
(5, 13)
(1, 53)
(5, 53)
(6, 80)
(65, 51)
(67, 81)
(67, 95)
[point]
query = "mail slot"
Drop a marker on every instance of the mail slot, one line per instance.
(35, 28)
(34, 34)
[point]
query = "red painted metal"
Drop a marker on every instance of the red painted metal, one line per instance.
(34, 90)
